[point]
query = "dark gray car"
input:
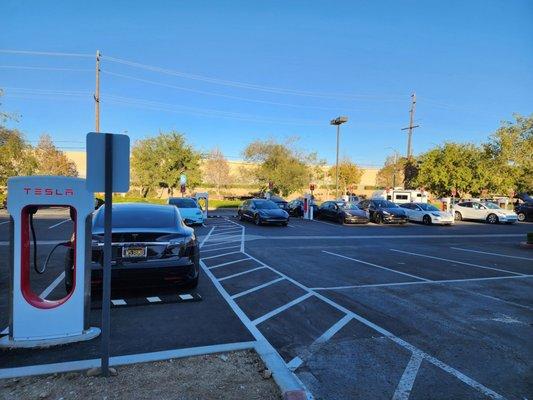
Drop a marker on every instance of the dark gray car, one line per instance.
(262, 211)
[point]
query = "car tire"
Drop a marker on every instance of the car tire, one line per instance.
(257, 220)
(426, 220)
(457, 216)
(492, 219)
(239, 216)
(521, 217)
(192, 284)
(341, 220)
(285, 224)
(378, 219)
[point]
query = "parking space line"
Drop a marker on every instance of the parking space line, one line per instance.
(5, 222)
(153, 299)
(491, 278)
(225, 232)
(278, 310)
(324, 222)
(377, 266)
(403, 390)
(264, 285)
(219, 243)
(456, 262)
(59, 223)
(492, 254)
(222, 248)
(52, 286)
(337, 326)
(406, 345)
(241, 273)
(221, 255)
(295, 363)
(228, 263)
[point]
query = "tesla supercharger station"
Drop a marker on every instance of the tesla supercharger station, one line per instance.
(36, 321)
(203, 196)
(308, 209)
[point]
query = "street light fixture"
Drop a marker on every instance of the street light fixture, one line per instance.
(338, 121)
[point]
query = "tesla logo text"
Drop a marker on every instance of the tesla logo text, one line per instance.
(48, 192)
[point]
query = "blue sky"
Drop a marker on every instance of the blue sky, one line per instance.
(469, 62)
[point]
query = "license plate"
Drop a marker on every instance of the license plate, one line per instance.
(133, 252)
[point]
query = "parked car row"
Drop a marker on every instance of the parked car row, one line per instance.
(380, 211)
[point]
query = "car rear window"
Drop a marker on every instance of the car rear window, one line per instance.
(160, 217)
(183, 203)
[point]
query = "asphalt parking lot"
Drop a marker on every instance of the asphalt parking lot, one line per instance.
(357, 312)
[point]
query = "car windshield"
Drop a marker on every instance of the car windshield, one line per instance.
(428, 207)
(183, 203)
(385, 204)
(492, 206)
(266, 205)
(126, 217)
(349, 206)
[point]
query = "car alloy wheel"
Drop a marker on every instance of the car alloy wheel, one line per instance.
(458, 216)
(378, 218)
(426, 220)
(521, 217)
(492, 219)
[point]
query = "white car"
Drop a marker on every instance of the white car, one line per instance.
(427, 213)
(190, 211)
(489, 212)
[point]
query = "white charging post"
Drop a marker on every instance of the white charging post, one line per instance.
(36, 321)
(308, 206)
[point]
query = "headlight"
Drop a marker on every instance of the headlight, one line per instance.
(435, 214)
(386, 213)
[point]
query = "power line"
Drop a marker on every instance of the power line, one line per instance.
(44, 68)
(243, 85)
(215, 94)
(44, 53)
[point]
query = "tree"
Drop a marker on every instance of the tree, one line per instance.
(51, 161)
(349, 175)
(216, 169)
(16, 156)
(392, 174)
(453, 165)
(277, 163)
(161, 160)
(510, 151)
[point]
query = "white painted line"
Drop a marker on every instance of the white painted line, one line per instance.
(223, 248)
(225, 231)
(295, 363)
(153, 299)
(278, 310)
(59, 223)
(377, 266)
(47, 369)
(456, 262)
(5, 331)
(52, 286)
(333, 329)
(285, 379)
(229, 263)
(403, 390)
(291, 226)
(421, 283)
(206, 237)
(492, 254)
(459, 375)
(241, 273)
(118, 302)
(264, 285)
(221, 255)
(348, 237)
(220, 243)
(5, 222)
(186, 296)
(327, 223)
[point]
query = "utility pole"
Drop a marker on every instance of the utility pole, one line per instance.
(411, 126)
(97, 94)
(338, 121)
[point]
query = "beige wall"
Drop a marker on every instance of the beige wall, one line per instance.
(368, 178)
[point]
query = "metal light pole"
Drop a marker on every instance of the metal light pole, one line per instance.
(338, 121)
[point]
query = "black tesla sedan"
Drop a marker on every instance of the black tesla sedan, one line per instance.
(262, 211)
(384, 211)
(342, 212)
(150, 245)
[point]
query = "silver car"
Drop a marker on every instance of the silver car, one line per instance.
(489, 212)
